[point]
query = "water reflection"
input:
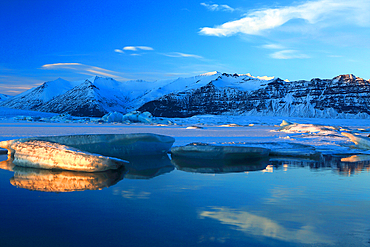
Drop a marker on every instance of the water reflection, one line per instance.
(262, 226)
(63, 181)
(217, 165)
(147, 167)
(343, 165)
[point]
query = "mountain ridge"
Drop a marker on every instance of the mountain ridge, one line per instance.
(210, 93)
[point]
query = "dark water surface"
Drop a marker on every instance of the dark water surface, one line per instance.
(153, 203)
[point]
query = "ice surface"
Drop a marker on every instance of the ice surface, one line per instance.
(63, 181)
(49, 155)
(360, 141)
(117, 145)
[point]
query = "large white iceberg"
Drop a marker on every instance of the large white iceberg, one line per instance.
(49, 155)
(89, 153)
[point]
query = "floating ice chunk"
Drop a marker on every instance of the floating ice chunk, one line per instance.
(49, 155)
(113, 117)
(111, 145)
(63, 181)
(205, 151)
(360, 141)
(217, 165)
(194, 128)
(309, 128)
(231, 125)
(285, 123)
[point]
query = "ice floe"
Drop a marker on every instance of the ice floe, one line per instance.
(218, 165)
(360, 141)
(206, 151)
(49, 155)
(88, 153)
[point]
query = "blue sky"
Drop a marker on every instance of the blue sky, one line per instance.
(42, 40)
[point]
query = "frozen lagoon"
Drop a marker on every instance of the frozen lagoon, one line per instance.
(291, 202)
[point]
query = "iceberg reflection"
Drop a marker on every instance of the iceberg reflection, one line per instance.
(63, 181)
(147, 167)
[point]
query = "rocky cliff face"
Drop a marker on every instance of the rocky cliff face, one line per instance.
(343, 96)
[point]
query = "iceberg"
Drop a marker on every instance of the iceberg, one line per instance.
(206, 151)
(89, 153)
(217, 165)
(288, 149)
(360, 141)
(49, 155)
(63, 181)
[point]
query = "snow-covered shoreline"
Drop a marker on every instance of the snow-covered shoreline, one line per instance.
(242, 130)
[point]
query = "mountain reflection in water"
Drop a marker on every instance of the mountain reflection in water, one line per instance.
(147, 167)
(343, 165)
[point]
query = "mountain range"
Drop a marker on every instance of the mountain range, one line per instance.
(344, 96)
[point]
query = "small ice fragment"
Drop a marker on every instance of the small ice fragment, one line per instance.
(194, 127)
(360, 141)
(285, 123)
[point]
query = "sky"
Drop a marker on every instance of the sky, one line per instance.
(42, 40)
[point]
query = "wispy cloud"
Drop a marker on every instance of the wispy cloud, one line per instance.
(14, 84)
(273, 46)
(179, 54)
(325, 12)
(84, 69)
(119, 51)
(136, 48)
(288, 54)
(216, 7)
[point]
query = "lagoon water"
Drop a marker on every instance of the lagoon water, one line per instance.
(154, 203)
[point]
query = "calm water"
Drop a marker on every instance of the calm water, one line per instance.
(153, 203)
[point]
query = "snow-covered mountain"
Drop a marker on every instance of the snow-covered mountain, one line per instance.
(36, 97)
(4, 97)
(344, 96)
(211, 93)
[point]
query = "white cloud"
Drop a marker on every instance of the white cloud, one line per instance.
(179, 54)
(84, 69)
(216, 7)
(135, 48)
(288, 54)
(119, 51)
(325, 12)
(273, 46)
